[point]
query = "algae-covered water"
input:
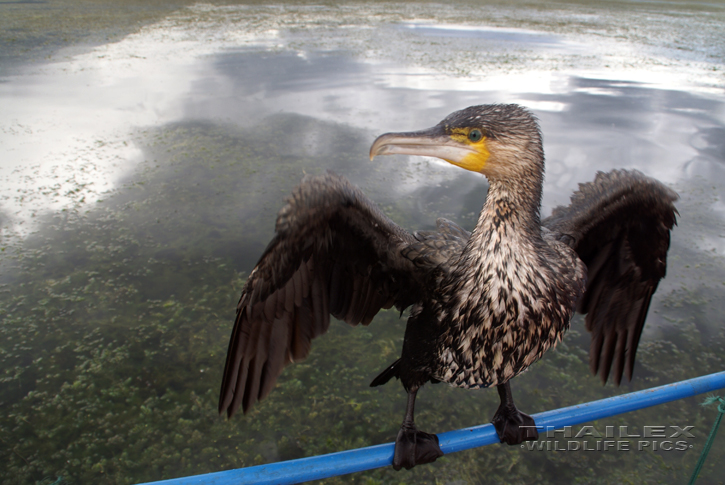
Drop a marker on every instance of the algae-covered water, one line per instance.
(146, 148)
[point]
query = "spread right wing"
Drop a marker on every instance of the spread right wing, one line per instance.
(334, 253)
(619, 225)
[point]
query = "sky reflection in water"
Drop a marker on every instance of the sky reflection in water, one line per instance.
(68, 128)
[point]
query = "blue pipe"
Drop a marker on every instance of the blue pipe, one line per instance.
(351, 461)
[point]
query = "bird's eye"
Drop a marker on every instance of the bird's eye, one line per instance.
(475, 135)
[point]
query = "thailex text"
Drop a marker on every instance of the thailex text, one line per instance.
(614, 438)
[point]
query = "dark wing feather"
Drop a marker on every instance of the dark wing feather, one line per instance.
(438, 249)
(335, 253)
(619, 225)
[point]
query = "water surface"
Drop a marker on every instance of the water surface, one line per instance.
(140, 181)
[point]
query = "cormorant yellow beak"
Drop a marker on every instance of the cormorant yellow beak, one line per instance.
(464, 147)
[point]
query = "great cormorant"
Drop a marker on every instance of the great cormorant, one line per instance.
(485, 305)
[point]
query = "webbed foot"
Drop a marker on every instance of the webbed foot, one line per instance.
(413, 447)
(514, 427)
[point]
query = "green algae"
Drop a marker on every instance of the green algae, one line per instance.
(116, 319)
(116, 314)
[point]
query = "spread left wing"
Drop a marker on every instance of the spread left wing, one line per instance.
(334, 253)
(619, 225)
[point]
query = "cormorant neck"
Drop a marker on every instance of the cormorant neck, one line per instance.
(508, 226)
(509, 223)
(513, 203)
(510, 216)
(515, 173)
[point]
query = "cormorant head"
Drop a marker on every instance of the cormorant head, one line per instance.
(497, 140)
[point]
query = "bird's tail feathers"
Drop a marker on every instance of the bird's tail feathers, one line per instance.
(393, 370)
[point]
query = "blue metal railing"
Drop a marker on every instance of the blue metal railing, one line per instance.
(344, 462)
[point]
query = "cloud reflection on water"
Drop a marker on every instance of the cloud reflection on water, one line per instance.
(65, 127)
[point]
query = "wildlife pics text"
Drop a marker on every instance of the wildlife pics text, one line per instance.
(615, 438)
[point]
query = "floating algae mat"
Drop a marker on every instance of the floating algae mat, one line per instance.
(141, 175)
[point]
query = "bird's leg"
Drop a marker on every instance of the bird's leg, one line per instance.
(413, 447)
(513, 426)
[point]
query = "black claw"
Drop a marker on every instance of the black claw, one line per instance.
(413, 447)
(514, 427)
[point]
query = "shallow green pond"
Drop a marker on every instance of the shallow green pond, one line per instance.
(147, 148)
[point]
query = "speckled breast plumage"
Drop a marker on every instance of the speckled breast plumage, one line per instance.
(507, 308)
